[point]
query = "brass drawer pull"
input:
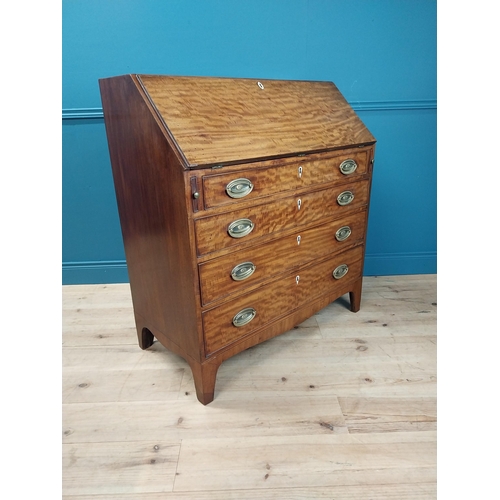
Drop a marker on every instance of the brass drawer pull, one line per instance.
(240, 228)
(244, 316)
(239, 188)
(348, 166)
(243, 271)
(345, 198)
(343, 233)
(340, 271)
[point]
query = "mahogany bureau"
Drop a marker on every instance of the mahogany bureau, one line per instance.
(243, 206)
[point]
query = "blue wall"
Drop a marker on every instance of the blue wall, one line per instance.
(381, 54)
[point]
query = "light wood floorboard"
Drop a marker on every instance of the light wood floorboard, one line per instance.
(343, 406)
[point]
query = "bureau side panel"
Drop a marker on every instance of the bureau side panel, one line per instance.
(150, 193)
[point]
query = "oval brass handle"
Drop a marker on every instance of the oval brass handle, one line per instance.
(345, 198)
(348, 166)
(343, 233)
(243, 271)
(340, 271)
(244, 316)
(240, 228)
(239, 188)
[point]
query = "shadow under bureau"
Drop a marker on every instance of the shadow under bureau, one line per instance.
(243, 206)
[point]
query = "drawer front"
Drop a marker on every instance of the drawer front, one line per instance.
(221, 189)
(317, 279)
(213, 233)
(234, 272)
(270, 302)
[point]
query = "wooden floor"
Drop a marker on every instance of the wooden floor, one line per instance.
(341, 407)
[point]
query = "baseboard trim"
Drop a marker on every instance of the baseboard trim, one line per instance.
(400, 263)
(96, 272)
(115, 271)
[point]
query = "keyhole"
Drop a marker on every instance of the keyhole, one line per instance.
(300, 172)
(298, 239)
(297, 278)
(299, 203)
(261, 87)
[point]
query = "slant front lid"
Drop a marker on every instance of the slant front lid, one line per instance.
(227, 120)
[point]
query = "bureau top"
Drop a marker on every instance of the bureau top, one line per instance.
(229, 120)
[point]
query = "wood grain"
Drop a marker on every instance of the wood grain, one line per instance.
(273, 217)
(279, 179)
(389, 414)
(306, 461)
(119, 467)
(161, 131)
(220, 120)
(152, 204)
(294, 250)
(410, 491)
(340, 407)
(278, 298)
(140, 420)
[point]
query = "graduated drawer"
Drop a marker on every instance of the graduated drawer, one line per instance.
(234, 272)
(275, 300)
(221, 189)
(213, 233)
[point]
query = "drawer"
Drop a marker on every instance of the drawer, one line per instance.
(213, 233)
(221, 189)
(317, 279)
(275, 300)
(234, 272)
